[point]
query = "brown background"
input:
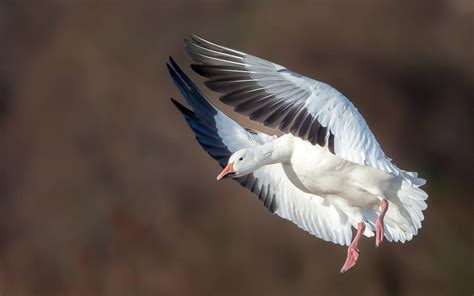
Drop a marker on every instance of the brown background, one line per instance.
(104, 191)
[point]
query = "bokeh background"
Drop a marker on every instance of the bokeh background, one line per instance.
(104, 191)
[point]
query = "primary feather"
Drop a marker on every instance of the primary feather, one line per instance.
(220, 136)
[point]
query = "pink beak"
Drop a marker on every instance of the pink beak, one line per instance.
(229, 169)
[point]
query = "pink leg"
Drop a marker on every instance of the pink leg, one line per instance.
(379, 232)
(353, 251)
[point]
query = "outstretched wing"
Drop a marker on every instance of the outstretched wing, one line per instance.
(277, 97)
(220, 136)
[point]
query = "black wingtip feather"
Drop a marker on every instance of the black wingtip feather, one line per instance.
(182, 108)
(196, 99)
(196, 68)
(183, 77)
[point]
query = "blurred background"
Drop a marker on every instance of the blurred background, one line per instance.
(104, 191)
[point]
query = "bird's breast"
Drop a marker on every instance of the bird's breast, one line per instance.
(315, 170)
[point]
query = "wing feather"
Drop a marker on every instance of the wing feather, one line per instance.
(220, 136)
(277, 97)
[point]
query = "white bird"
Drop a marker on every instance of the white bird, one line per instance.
(326, 174)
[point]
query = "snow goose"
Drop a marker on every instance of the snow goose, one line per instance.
(326, 174)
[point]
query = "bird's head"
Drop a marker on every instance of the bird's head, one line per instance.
(240, 163)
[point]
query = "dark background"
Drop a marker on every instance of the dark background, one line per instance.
(104, 191)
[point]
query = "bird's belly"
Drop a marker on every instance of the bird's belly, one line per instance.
(317, 171)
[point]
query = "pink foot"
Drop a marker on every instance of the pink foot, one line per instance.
(379, 231)
(351, 260)
(353, 251)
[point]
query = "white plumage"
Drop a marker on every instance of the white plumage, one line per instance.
(327, 174)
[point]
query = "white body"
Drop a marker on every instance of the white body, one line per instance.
(352, 190)
(315, 170)
(327, 173)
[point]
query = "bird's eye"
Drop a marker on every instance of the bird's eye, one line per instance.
(241, 158)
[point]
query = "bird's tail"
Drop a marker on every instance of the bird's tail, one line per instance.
(404, 216)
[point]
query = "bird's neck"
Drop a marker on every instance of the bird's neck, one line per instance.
(276, 151)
